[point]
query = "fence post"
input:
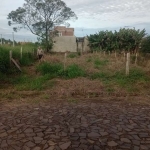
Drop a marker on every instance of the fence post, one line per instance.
(109, 53)
(65, 57)
(21, 53)
(127, 64)
(10, 56)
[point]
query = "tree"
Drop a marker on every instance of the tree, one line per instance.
(40, 16)
(145, 45)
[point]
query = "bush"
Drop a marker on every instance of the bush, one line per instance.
(145, 46)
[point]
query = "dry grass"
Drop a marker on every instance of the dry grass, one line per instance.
(83, 87)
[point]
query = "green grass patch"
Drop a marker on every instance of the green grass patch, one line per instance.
(27, 83)
(57, 70)
(119, 78)
(73, 71)
(100, 63)
(27, 56)
(53, 69)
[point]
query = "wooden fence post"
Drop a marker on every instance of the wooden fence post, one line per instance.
(109, 53)
(127, 64)
(10, 56)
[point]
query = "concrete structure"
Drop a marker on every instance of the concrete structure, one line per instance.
(63, 31)
(66, 41)
(69, 43)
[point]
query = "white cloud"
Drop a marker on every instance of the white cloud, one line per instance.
(95, 13)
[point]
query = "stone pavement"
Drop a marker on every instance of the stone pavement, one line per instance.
(75, 126)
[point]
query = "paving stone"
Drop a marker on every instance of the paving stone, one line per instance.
(65, 145)
(93, 135)
(125, 140)
(82, 134)
(4, 134)
(136, 142)
(136, 148)
(30, 144)
(112, 143)
(37, 148)
(51, 148)
(103, 133)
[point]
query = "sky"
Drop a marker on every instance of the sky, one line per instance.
(93, 16)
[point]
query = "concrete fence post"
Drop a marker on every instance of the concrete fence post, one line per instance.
(10, 56)
(128, 64)
(65, 59)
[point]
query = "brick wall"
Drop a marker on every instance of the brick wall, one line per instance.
(65, 31)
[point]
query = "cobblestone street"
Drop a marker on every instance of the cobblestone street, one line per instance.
(75, 126)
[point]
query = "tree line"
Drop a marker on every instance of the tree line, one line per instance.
(129, 40)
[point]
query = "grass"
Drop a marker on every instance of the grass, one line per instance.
(52, 69)
(57, 70)
(119, 78)
(72, 55)
(29, 83)
(100, 63)
(27, 56)
(73, 71)
(108, 74)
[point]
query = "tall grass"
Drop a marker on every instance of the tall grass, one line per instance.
(119, 78)
(24, 82)
(27, 56)
(57, 70)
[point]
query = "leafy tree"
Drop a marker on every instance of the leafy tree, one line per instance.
(145, 45)
(124, 39)
(40, 16)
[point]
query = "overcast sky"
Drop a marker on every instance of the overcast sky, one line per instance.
(93, 16)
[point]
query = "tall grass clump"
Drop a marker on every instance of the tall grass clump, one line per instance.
(4, 60)
(49, 68)
(73, 71)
